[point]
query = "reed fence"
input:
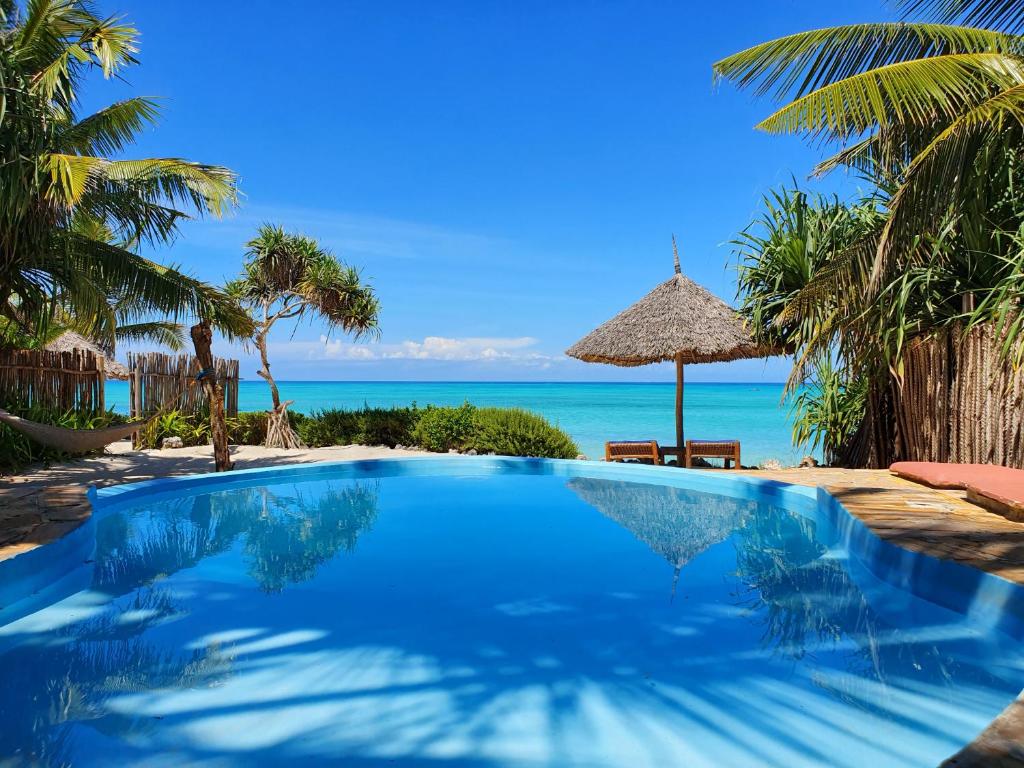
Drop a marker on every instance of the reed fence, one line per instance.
(166, 381)
(69, 380)
(959, 400)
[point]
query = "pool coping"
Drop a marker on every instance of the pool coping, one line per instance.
(965, 588)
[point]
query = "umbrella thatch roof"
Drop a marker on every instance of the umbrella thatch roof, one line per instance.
(679, 317)
(70, 341)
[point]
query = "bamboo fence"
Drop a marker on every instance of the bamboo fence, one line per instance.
(69, 380)
(960, 401)
(157, 381)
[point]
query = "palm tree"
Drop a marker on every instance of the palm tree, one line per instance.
(291, 277)
(925, 106)
(932, 114)
(66, 207)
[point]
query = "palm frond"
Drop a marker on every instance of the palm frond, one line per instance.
(932, 184)
(796, 65)
(112, 128)
(164, 333)
(918, 92)
(1007, 15)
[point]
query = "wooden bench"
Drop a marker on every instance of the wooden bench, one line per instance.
(633, 450)
(728, 450)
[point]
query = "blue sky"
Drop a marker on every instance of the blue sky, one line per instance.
(507, 174)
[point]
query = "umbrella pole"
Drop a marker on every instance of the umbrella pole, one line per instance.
(679, 402)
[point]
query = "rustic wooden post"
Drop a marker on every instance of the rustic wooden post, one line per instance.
(101, 383)
(202, 339)
(135, 409)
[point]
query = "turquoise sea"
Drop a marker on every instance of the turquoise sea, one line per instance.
(590, 412)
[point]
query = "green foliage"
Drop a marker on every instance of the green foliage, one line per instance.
(16, 450)
(248, 428)
(291, 276)
(804, 283)
(442, 428)
(73, 210)
(920, 107)
(388, 426)
(506, 431)
(516, 432)
(333, 426)
(828, 410)
(193, 429)
(367, 426)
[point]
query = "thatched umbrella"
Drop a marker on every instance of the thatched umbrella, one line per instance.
(70, 341)
(679, 320)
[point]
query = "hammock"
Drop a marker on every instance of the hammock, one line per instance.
(69, 440)
(87, 440)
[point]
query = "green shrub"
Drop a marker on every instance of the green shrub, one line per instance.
(249, 428)
(387, 426)
(330, 427)
(515, 432)
(367, 426)
(193, 429)
(16, 450)
(441, 428)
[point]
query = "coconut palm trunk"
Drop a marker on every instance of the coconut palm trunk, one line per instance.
(202, 339)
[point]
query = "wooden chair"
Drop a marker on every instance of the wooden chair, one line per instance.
(728, 450)
(633, 450)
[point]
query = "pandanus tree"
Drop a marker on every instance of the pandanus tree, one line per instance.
(67, 207)
(288, 276)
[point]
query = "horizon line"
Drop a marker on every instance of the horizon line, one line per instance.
(503, 381)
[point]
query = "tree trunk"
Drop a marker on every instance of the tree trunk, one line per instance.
(264, 372)
(279, 428)
(202, 339)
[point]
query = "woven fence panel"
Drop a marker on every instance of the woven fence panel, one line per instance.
(923, 418)
(988, 398)
(961, 401)
(166, 381)
(66, 381)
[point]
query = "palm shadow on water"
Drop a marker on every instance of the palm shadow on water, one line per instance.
(436, 683)
(69, 675)
(810, 602)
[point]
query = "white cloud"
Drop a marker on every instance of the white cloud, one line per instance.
(518, 349)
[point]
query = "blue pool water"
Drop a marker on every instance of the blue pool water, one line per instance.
(492, 613)
(591, 412)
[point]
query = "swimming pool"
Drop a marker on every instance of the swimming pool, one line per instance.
(493, 612)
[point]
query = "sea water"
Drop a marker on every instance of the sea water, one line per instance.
(591, 412)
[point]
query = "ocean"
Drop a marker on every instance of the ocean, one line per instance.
(591, 412)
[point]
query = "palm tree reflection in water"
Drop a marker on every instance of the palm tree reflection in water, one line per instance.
(810, 606)
(67, 676)
(284, 536)
(802, 593)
